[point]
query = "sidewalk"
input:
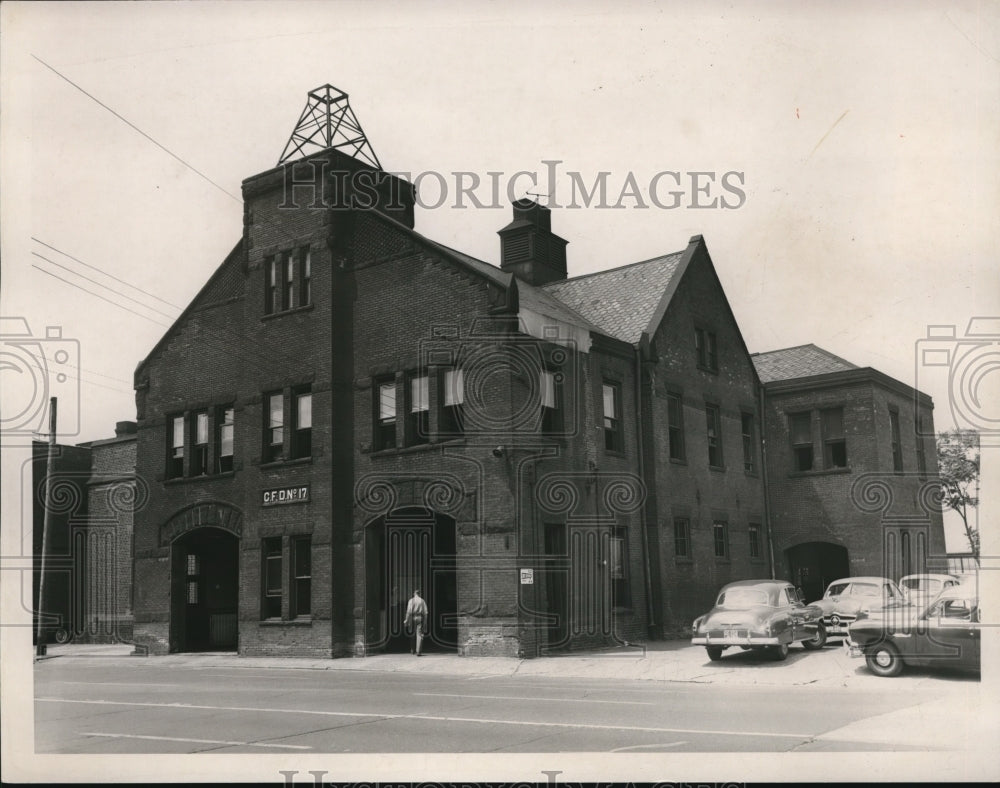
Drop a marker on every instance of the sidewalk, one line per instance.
(663, 661)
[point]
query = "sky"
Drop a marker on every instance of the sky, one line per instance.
(850, 153)
(864, 139)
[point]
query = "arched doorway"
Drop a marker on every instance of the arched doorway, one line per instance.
(814, 565)
(204, 591)
(405, 550)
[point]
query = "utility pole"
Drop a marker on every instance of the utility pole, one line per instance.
(46, 525)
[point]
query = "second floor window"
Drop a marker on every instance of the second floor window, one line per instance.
(175, 460)
(273, 295)
(385, 415)
(612, 398)
(224, 426)
(834, 443)
(800, 436)
(419, 428)
(706, 349)
(749, 443)
(451, 417)
(302, 422)
(897, 446)
(552, 405)
(306, 263)
(713, 424)
(675, 426)
(274, 430)
(199, 457)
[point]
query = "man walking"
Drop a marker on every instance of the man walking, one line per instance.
(416, 617)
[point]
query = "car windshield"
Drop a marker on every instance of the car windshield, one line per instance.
(740, 598)
(836, 589)
(865, 589)
(929, 584)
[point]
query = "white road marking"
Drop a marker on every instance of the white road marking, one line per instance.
(197, 741)
(559, 700)
(117, 684)
(649, 746)
(430, 718)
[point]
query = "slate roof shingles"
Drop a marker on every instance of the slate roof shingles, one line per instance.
(798, 362)
(620, 302)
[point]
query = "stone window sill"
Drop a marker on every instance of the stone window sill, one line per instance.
(292, 311)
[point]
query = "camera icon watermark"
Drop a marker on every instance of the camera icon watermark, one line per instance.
(970, 365)
(35, 369)
(498, 381)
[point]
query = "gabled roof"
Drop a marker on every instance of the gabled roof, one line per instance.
(620, 302)
(798, 362)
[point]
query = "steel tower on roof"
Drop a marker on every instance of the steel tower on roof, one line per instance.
(329, 122)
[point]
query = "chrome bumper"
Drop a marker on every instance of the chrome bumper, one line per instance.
(724, 641)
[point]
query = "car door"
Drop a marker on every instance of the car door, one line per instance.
(797, 613)
(952, 635)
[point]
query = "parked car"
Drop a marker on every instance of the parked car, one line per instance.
(921, 589)
(759, 614)
(845, 598)
(944, 634)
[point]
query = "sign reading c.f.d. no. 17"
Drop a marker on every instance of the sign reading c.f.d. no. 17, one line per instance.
(280, 495)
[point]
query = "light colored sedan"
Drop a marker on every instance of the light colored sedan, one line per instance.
(921, 589)
(845, 598)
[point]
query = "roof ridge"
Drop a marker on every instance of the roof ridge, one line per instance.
(612, 270)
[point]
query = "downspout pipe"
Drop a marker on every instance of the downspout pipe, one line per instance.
(640, 440)
(763, 471)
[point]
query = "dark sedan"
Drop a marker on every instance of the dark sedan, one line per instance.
(946, 634)
(759, 614)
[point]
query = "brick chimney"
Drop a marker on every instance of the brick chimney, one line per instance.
(528, 248)
(123, 428)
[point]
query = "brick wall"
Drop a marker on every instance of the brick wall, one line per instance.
(691, 488)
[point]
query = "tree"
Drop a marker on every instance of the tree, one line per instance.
(958, 468)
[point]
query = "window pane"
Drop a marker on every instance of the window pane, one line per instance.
(833, 423)
(610, 405)
(419, 396)
(276, 417)
(201, 428)
(548, 386)
(800, 428)
(273, 568)
(454, 387)
(304, 414)
(303, 564)
(226, 433)
(387, 401)
(617, 558)
(178, 432)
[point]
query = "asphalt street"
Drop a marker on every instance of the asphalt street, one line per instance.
(134, 705)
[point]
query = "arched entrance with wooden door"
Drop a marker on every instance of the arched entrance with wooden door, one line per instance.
(407, 549)
(204, 591)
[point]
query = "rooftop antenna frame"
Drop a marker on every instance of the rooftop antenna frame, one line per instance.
(329, 122)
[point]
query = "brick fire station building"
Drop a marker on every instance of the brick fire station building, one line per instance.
(349, 410)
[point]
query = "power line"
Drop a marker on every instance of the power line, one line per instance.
(102, 271)
(99, 284)
(98, 295)
(129, 123)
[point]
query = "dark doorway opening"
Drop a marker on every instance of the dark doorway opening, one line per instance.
(410, 549)
(814, 565)
(204, 591)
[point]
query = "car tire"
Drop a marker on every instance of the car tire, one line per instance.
(816, 643)
(780, 653)
(884, 660)
(714, 653)
(61, 636)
